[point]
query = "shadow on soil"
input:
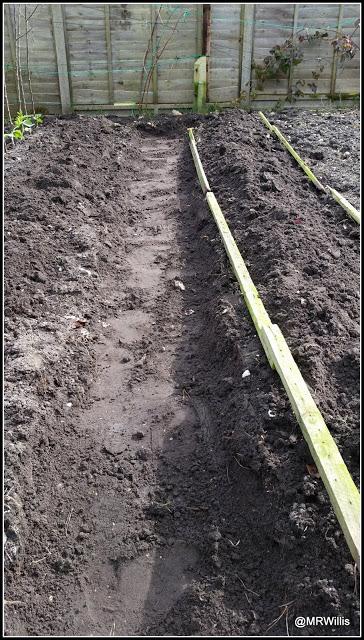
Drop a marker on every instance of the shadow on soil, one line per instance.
(234, 562)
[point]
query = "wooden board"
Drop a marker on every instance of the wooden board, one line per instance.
(343, 494)
(114, 39)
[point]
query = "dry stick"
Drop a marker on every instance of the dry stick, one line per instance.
(7, 104)
(284, 612)
(19, 64)
(16, 64)
(155, 61)
(27, 54)
(146, 53)
(247, 588)
(31, 29)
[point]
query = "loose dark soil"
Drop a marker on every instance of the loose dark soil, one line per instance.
(330, 144)
(150, 489)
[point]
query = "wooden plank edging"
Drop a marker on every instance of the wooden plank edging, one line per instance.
(198, 164)
(343, 493)
(345, 204)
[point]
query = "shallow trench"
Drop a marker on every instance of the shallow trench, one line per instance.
(190, 532)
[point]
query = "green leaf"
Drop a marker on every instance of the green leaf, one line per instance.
(19, 119)
(18, 135)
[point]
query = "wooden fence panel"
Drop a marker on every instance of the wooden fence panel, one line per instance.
(100, 55)
(225, 58)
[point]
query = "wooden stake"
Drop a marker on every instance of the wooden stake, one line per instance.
(200, 84)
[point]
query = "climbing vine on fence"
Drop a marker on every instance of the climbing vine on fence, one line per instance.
(284, 57)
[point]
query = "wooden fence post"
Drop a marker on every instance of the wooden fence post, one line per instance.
(206, 43)
(154, 34)
(247, 51)
(109, 54)
(294, 29)
(199, 29)
(200, 85)
(334, 59)
(61, 54)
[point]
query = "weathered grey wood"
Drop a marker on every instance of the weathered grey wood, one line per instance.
(109, 53)
(104, 46)
(246, 62)
(294, 28)
(335, 56)
(199, 16)
(154, 20)
(11, 33)
(60, 45)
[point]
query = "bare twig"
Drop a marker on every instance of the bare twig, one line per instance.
(19, 64)
(16, 63)
(68, 521)
(247, 589)
(227, 474)
(240, 465)
(144, 70)
(39, 560)
(7, 104)
(27, 54)
(157, 58)
(285, 608)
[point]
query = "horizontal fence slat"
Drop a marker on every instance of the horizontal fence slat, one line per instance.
(130, 27)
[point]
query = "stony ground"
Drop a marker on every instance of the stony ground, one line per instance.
(150, 488)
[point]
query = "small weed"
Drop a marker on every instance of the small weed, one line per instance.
(23, 124)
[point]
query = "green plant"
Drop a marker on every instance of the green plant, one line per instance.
(213, 106)
(23, 124)
(284, 57)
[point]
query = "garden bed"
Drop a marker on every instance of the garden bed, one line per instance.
(151, 489)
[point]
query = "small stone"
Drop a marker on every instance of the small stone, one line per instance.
(246, 374)
(38, 277)
(179, 285)
(215, 535)
(143, 454)
(138, 435)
